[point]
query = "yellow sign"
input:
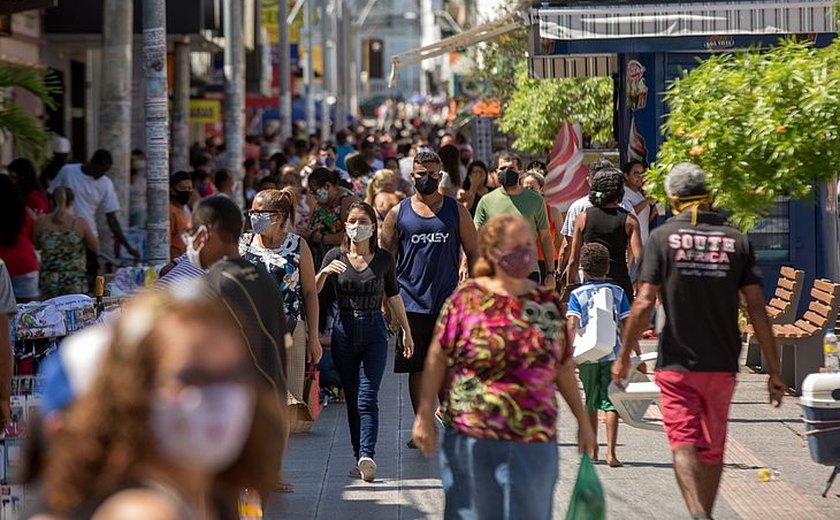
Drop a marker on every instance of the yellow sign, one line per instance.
(205, 111)
(272, 23)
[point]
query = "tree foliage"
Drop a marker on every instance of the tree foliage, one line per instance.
(31, 138)
(538, 108)
(762, 125)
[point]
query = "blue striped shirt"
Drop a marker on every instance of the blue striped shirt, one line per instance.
(181, 275)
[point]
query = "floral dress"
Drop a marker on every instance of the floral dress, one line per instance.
(503, 354)
(63, 264)
(283, 263)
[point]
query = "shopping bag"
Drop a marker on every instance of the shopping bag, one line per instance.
(598, 338)
(587, 502)
(304, 414)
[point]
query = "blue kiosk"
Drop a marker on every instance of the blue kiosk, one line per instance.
(645, 45)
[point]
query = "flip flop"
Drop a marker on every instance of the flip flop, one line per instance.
(354, 473)
(284, 487)
(410, 444)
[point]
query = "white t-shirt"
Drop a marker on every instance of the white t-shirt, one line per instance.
(634, 198)
(90, 194)
(578, 207)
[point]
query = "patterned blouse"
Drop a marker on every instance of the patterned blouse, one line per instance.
(63, 264)
(284, 265)
(503, 354)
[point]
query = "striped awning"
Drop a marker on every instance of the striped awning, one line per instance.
(650, 19)
(550, 67)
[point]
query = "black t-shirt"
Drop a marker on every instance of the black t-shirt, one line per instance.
(699, 270)
(252, 295)
(363, 290)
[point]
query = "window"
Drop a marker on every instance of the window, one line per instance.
(771, 235)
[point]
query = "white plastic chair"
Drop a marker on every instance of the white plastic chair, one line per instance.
(633, 403)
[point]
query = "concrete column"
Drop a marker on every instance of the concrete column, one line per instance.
(234, 70)
(181, 108)
(285, 71)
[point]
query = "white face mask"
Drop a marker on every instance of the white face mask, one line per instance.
(204, 426)
(194, 253)
(359, 232)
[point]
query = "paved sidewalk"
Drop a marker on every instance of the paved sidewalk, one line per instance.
(408, 487)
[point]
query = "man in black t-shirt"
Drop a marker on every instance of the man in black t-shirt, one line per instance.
(699, 265)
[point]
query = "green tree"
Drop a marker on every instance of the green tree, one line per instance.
(30, 136)
(762, 125)
(538, 108)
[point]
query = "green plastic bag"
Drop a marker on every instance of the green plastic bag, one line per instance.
(587, 501)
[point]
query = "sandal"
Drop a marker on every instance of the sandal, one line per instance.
(284, 487)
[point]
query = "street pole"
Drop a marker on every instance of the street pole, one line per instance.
(285, 71)
(326, 72)
(353, 61)
(340, 66)
(234, 70)
(157, 129)
(115, 107)
(181, 108)
(310, 74)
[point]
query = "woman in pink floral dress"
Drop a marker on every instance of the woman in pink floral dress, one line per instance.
(500, 352)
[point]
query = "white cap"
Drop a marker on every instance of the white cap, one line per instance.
(60, 145)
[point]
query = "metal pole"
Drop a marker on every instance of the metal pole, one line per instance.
(285, 71)
(234, 70)
(340, 66)
(326, 74)
(157, 129)
(115, 111)
(311, 124)
(352, 70)
(181, 108)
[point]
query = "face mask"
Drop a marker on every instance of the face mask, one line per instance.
(359, 232)
(194, 253)
(182, 197)
(426, 185)
(508, 177)
(260, 222)
(204, 426)
(518, 262)
(322, 195)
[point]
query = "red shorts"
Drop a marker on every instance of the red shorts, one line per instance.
(695, 410)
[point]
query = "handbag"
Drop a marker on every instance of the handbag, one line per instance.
(587, 502)
(598, 338)
(304, 414)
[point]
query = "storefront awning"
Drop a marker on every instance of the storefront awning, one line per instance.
(550, 67)
(648, 19)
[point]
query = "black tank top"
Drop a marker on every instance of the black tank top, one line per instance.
(608, 226)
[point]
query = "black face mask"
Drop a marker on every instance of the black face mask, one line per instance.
(508, 177)
(426, 185)
(182, 197)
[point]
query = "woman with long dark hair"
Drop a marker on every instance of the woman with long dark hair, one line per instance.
(475, 186)
(606, 222)
(326, 227)
(359, 275)
(23, 174)
(17, 249)
(454, 172)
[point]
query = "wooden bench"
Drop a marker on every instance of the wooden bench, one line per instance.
(781, 309)
(801, 343)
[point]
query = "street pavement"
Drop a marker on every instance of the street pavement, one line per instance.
(408, 486)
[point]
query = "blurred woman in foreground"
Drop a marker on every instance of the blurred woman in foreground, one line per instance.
(175, 425)
(500, 351)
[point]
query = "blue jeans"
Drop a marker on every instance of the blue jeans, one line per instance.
(487, 480)
(360, 352)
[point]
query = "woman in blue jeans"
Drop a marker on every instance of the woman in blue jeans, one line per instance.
(359, 275)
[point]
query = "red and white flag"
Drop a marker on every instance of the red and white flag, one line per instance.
(566, 180)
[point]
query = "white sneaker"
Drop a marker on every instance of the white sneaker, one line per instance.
(367, 467)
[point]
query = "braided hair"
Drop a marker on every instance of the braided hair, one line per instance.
(607, 187)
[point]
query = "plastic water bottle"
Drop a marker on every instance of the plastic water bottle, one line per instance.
(831, 351)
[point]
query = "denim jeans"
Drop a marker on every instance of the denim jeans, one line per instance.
(360, 352)
(487, 479)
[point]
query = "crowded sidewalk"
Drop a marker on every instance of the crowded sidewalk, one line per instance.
(408, 485)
